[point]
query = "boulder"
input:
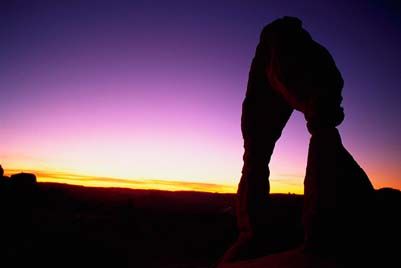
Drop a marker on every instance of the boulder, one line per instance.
(23, 179)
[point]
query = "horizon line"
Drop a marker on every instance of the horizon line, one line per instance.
(114, 182)
(137, 183)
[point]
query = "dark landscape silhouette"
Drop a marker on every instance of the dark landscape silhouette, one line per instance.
(48, 224)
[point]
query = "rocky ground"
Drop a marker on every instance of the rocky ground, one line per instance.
(49, 225)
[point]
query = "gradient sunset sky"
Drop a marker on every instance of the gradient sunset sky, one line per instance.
(148, 93)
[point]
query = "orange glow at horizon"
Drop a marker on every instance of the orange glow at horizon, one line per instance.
(144, 184)
(107, 182)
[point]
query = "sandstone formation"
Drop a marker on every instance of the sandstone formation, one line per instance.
(292, 71)
(23, 179)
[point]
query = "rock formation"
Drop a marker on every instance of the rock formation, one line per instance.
(23, 179)
(3, 179)
(292, 71)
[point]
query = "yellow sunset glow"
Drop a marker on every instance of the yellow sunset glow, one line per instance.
(146, 184)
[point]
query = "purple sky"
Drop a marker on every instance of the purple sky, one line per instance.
(153, 89)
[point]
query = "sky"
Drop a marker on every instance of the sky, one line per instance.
(147, 94)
